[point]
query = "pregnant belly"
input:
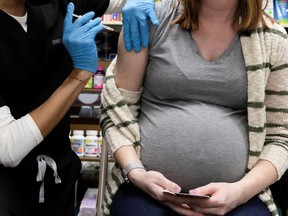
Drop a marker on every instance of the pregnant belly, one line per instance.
(194, 144)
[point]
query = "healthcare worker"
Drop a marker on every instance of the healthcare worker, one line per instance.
(45, 62)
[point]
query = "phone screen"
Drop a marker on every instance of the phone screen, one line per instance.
(186, 194)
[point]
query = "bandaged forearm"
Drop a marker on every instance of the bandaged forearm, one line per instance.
(17, 137)
(119, 117)
(119, 113)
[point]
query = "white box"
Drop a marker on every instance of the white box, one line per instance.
(88, 203)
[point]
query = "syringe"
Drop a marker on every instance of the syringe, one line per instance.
(105, 26)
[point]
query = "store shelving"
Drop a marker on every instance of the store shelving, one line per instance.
(118, 23)
(94, 159)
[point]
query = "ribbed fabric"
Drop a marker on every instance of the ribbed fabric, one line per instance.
(266, 58)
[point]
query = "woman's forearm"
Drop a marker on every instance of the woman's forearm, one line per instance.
(261, 176)
(129, 161)
(126, 155)
(33, 127)
(48, 115)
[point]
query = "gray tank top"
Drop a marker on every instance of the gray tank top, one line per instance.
(193, 119)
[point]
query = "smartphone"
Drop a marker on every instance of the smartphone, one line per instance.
(186, 194)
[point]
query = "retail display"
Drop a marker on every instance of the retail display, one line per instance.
(86, 143)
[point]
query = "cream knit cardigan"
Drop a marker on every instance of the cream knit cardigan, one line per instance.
(266, 58)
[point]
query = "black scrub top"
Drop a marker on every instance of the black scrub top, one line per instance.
(34, 63)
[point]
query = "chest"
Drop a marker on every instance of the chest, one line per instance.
(178, 72)
(213, 42)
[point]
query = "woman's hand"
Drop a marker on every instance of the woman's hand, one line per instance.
(153, 183)
(224, 198)
(227, 196)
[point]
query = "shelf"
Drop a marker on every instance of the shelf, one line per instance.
(91, 90)
(75, 119)
(94, 159)
(104, 62)
(111, 22)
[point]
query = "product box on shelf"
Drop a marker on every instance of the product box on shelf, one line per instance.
(88, 203)
(89, 84)
(281, 11)
(115, 17)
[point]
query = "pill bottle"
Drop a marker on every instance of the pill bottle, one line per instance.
(77, 142)
(98, 80)
(91, 143)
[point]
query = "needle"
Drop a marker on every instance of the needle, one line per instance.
(105, 26)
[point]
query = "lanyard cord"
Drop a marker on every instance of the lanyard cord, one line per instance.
(43, 161)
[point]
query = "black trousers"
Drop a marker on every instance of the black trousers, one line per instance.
(19, 190)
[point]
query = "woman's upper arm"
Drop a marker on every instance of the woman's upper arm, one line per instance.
(130, 67)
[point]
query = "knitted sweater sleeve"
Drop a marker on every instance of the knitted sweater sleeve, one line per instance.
(265, 53)
(119, 111)
(276, 102)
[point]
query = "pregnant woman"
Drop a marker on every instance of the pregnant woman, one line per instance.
(211, 92)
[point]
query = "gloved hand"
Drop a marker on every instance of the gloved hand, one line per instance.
(135, 22)
(78, 38)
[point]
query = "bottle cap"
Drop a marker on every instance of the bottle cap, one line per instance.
(101, 68)
(91, 132)
(78, 132)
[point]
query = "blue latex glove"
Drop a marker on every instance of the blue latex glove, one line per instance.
(135, 23)
(79, 39)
